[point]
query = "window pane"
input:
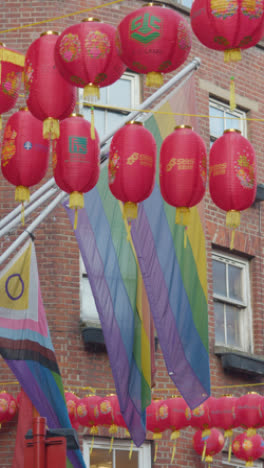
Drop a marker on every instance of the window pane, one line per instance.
(232, 122)
(219, 310)
(122, 459)
(120, 93)
(113, 119)
(216, 123)
(219, 278)
(235, 282)
(103, 97)
(88, 307)
(232, 326)
(99, 122)
(100, 458)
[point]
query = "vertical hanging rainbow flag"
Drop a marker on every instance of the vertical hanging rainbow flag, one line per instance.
(176, 277)
(25, 342)
(112, 269)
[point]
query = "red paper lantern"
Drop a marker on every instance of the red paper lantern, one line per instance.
(24, 158)
(228, 25)
(86, 56)
(232, 176)
(183, 171)
(50, 97)
(87, 412)
(8, 407)
(153, 40)
(11, 68)
(248, 448)
(179, 418)
(104, 412)
(208, 445)
(200, 417)
(157, 418)
(132, 164)
(249, 412)
(222, 413)
(72, 402)
(76, 159)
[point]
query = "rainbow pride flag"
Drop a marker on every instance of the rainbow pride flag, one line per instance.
(108, 254)
(25, 342)
(176, 277)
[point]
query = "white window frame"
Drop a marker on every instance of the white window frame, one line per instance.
(237, 113)
(144, 451)
(236, 463)
(243, 306)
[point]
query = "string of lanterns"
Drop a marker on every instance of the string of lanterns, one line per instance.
(209, 419)
(152, 40)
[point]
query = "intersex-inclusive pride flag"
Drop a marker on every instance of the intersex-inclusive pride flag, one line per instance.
(176, 277)
(111, 265)
(25, 342)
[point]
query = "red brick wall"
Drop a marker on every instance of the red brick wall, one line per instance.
(57, 251)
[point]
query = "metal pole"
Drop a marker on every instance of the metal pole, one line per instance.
(32, 226)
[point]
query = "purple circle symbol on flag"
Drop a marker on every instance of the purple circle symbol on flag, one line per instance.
(22, 287)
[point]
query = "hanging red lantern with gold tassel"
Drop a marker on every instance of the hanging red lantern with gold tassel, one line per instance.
(25, 153)
(179, 418)
(248, 448)
(132, 164)
(232, 176)
(208, 445)
(249, 412)
(72, 401)
(183, 171)
(86, 56)
(11, 68)
(222, 413)
(229, 26)
(8, 407)
(76, 159)
(50, 97)
(153, 40)
(157, 420)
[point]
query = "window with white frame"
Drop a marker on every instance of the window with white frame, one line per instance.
(221, 119)
(115, 101)
(185, 3)
(231, 295)
(101, 457)
(236, 463)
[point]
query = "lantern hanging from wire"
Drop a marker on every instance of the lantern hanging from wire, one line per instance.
(248, 448)
(223, 416)
(232, 176)
(249, 412)
(208, 445)
(8, 407)
(72, 401)
(86, 56)
(228, 26)
(153, 40)
(183, 171)
(25, 153)
(132, 164)
(157, 420)
(179, 418)
(50, 98)
(76, 160)
(11, 68)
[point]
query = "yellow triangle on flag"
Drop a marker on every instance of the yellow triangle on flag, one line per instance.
(14, 283)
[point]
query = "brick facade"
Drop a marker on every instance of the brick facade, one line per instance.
(57, 251)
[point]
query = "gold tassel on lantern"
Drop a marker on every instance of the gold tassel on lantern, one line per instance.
(183, 215)
(91, 92)
(94, 431)
(22, 194)
(232, 55)
(51, 129)
(174, 436)
(130, 210)
(76, 202)
(228, 435)
(154, 79)
(209, 460)
(232, 221)
(205, 434)
(232, 103)
(112, 431)
(131, 450)
(156, 437)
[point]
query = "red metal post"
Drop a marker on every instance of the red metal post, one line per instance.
(39, 435)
